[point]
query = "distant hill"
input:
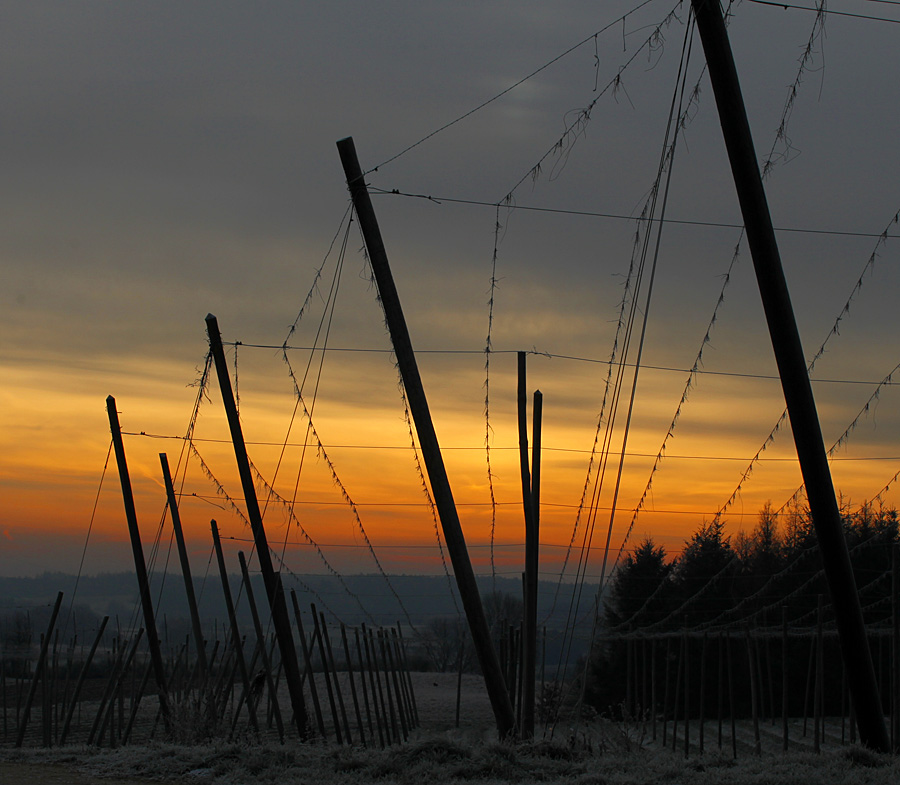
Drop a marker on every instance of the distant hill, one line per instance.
(412, 600)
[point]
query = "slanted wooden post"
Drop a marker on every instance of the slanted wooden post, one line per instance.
(140, 567)
(431, 451)
(39, 670)
(326, 672)
(384, 730)
(274, 592)
(307, 658)
(365, 689)
(350, 676)
(261, 642)
(81, 677)
(792, 369)
(237, 643)
(196, 627)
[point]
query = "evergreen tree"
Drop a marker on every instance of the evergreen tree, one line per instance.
(705, 572)
(633, 596)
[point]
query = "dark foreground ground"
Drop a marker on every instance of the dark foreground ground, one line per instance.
(601, 753)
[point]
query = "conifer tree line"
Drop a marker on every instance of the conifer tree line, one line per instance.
(725, 595)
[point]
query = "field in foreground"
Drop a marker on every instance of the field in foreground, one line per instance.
(606, 753)
(433, 759)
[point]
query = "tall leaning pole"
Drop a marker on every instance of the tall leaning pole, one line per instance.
(140, 566)
(792, 369)
(495, 683)
(281, 622)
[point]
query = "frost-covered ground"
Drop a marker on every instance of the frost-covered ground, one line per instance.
(432, 760)
(438, 753)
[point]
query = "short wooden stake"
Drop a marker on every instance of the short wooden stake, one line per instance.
(359, 722)
(785, 681)
(260, 637)
(39, 670)
(326, 673)
(384, 733)
(308, 660)
(80, 683)
(237, 643)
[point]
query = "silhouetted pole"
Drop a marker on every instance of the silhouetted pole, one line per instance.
(431, 451)
(895, 647)
(531, 492)
(307, 658)
(39, 672)
(261, 642)
(140, 567)
(237, 643)
(274, 592)
(196, 627)
(793, 372)
(81, 677)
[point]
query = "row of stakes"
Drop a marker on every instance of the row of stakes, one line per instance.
(365, 697)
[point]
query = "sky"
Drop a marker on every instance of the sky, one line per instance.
(164, 160)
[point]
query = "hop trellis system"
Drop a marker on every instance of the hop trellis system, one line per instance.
(220, 686)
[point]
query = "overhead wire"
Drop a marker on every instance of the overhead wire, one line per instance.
(666, 167)
(483, 104)
(516, 206)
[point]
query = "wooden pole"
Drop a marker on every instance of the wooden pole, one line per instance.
(365, 690)
(810, 680)
(359, 721)
(136, 703)
(785, 683)
(533, 560)
(377, 693)
(702, 720)
(39, 669)
(387, 688)
(530, 500)
(653, 700)
(687, 694)
(731, 707)
(140, 566)
(261, 640)
(323, 631)
(307, 658)
(792, 369)
(389, 662)
(109, 715)
(196, 627)
(431, 452)
(720, 693)
(237, 643)
(678, 677)
(80, 683)
(895, 647)
(274, 591)
(666, 691)
(405, 681)
(326, 673)
(817, 699)
(108, 693)
(459, 674)
(754, 690)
